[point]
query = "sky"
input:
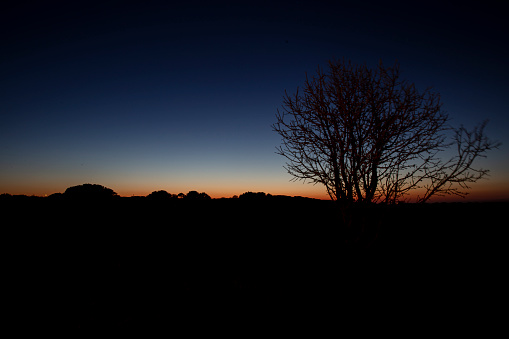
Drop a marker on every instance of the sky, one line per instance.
(141, 96)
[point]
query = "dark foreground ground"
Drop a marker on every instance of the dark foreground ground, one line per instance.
(139, 264)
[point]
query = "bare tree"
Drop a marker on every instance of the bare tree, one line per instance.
(369, 136)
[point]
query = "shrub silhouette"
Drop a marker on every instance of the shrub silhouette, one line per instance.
(194, 195)
(161, 195)
(254, 196)
(55, 196)
(5, 196)
(89, 192)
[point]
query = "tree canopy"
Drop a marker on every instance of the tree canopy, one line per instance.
(89, 191)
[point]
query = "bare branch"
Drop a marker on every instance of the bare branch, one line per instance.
(369, 136)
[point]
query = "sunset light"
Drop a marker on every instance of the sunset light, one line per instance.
(148, 104)
(288, 167)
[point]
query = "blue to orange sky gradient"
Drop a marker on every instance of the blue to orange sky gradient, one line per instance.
(155, 95)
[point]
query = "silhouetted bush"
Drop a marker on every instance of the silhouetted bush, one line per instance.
(18, 197)
(90, 192)
(254, 196)
(161, 195)
(56, 196)
(5, 196)
(194, 195)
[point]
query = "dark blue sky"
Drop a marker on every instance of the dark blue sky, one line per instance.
(140, 96)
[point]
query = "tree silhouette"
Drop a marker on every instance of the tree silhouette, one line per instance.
(89, 192)
(161, 195)
(254, 196)
(368, 136)
(194, 195)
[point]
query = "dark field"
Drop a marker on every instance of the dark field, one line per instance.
(133, 263)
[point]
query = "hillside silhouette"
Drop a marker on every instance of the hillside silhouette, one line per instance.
(128, 260)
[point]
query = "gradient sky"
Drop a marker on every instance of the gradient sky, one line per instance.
(143, 96)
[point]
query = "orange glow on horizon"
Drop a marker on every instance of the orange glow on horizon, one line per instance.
(474, 195)
(487, 191)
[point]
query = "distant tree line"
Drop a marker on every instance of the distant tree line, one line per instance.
(191, 195)
(97, 192)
